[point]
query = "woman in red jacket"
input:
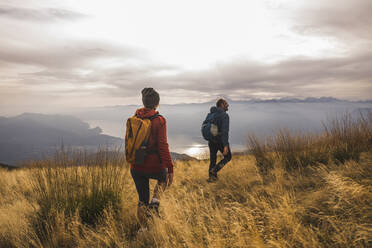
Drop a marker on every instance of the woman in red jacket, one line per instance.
(158, 163)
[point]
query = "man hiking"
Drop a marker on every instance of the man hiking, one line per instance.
(147, 151)
(215, 129)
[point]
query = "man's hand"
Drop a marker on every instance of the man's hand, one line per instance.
(225, 150)
(169, 179)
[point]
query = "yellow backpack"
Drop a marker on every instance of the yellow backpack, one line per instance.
(136, 138)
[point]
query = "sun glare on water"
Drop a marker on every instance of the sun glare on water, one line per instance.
(197, 151)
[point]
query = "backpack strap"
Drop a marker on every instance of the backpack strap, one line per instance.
(161, 119)
(156, 150)
(155, 116)
(151, 117)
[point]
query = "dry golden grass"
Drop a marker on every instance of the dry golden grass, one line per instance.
(342, 139)
(319, 206)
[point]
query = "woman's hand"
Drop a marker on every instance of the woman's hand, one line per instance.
(169, 179)
(225, 150)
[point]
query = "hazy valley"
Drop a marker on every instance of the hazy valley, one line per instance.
(261, 117)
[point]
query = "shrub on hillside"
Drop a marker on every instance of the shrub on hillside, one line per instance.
(342, 139)
(348, 137)
(260, 151)
(84, 191)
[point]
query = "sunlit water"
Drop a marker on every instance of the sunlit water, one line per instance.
(201, 151)
(177, 143)
(198, 151)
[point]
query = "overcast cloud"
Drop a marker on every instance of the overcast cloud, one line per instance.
(38, 15)
(346, 20)
(41, 63)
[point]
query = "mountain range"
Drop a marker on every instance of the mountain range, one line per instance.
(32, 136)
(261, 117)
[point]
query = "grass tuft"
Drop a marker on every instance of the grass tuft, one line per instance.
(342, 139)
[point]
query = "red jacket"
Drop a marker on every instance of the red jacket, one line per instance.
(158, 142)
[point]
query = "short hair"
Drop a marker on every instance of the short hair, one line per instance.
(220, 102)
(150, 98)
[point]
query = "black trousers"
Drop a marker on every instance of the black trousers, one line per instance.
(214, 147)
(142, 182)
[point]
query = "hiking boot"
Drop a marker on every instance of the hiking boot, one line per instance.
(212, 178)
(154, 208)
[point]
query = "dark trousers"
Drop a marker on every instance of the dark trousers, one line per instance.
(142, 182)
(214, 147)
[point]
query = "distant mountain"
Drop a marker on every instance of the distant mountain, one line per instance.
(30, 136)
(281, 100)
(177, 156)
(49, 130)
(297, 100)
(6, 166)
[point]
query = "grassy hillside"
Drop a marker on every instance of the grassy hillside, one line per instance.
(293, 191)
(324, 206)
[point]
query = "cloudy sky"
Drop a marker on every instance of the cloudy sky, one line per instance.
(65, 54)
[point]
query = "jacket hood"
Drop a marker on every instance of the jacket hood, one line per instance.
(145, 112)
(214, 109)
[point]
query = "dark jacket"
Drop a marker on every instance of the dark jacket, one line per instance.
(155, 162)
(223, 122)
